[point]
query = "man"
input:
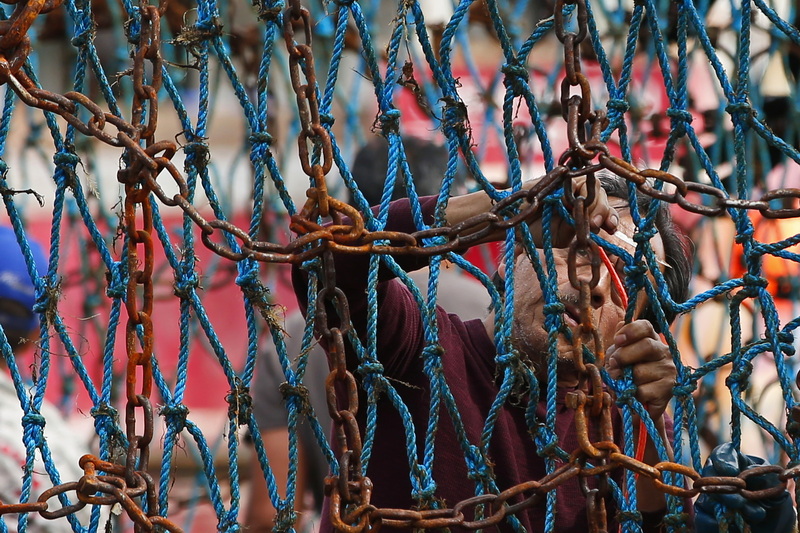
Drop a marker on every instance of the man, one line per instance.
(457, 293)
(20, 326)
(468, 356)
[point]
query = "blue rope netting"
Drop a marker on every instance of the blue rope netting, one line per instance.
(705, 90)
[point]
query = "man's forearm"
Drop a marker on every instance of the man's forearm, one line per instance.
(600, 213)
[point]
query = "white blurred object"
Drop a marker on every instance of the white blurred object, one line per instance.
(775, 82)
(719, 15)
(436, 11)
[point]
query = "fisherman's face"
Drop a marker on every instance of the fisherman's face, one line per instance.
(530, 335)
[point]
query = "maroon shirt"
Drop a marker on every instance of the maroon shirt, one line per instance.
(468, 361)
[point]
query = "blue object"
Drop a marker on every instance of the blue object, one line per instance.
(15, 280)
(768, 515)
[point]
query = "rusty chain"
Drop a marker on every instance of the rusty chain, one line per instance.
(577, 111)
(107, 483)
(350, 490)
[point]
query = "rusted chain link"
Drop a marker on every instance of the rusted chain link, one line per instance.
(578, 114)
(124, 484)
(349, 491)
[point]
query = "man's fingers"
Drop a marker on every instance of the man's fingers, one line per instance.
(644, 350)
(655, 396)
(601, 214)
(651, 373)
(634, 332)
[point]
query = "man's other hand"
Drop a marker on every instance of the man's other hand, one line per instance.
(600, 213)
(638, 346)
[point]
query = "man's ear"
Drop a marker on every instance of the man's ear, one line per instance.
(498, 278)
(500, 274)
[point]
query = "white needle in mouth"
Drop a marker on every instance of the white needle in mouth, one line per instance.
(629, 241)
(624, 238)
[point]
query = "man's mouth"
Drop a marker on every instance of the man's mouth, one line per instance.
(571, 314)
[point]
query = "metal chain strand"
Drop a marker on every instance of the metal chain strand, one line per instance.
(106, 483)
(577, 112)
(349, 491)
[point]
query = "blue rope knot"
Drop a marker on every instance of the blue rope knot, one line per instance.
(455, 114)
(546, 441)
(623, 516)
(175, 414)
(555, 308)
(676, 520)
(251, 285)
(132, 27)
(515, 75)
(507, 359)
(370, 367)
(67, 161)
(740, 109)
(680, 119)
(635, 271)
(270, 11)
(210, 26)
(745, 234)
(42, 304)
(285, 518)
(104, 410)
(229, 524)
(753, 281)
(626, 394)
(301, 395)
(424, 493)
(248, 273)
(786, 337)
(33, 419)
(684, 389)
(326, 119)
(432, 350)
(186, 281)
(260, 138)
(618, 105)
(83, 37)
(740, 375)
(644, 235)
(680, 115)
(116, 278)
(47, 301)
(479, 468)
(240, 404)
(390, 121)
(198, 153)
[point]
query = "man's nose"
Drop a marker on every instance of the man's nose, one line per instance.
(602, 290)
